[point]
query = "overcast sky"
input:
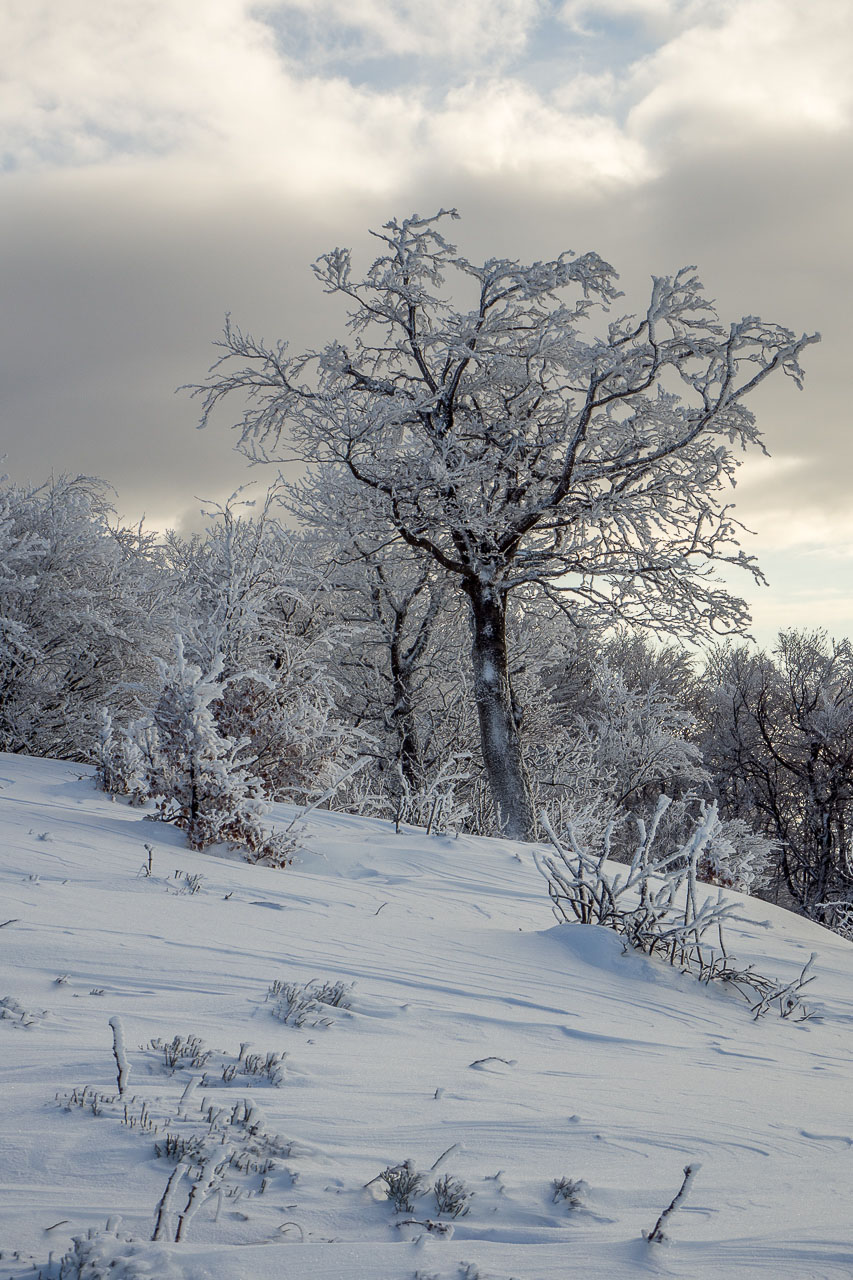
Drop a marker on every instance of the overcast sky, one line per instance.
(167, 161)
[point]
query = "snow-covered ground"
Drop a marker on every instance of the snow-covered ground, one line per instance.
(525, 1051)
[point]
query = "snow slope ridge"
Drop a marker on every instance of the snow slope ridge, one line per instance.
(467, 1034)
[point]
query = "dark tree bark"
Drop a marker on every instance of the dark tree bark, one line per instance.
(498, 717)
(402, 716)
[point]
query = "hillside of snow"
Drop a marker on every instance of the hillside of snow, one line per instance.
(468, 1034)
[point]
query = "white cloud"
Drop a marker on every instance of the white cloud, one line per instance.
(142, 78)
(86, 81)
(211, 90)
(774, 68)
(503, 127)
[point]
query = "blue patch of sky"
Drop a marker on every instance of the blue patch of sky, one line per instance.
(309, 44)
(89, 143)
(553, 55)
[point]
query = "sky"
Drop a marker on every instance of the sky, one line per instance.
(162, 164)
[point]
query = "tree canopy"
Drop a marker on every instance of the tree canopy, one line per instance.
(532, 442)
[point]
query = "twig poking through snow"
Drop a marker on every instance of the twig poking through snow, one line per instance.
(166, 1201)
(656, 1235)
(200, 1192)
(120, 1052)
(435, 1165)
(285, 1226)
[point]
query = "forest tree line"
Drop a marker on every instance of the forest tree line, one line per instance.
(287, 663)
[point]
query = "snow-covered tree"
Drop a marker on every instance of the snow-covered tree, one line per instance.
(396, 610)
(85, 609)
(522, 442)
(779, 740)
(627, 747)
(251, 602)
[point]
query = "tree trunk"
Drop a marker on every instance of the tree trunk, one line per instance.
(499, 730)
(402, 716)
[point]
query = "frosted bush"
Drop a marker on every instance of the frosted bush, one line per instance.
(110, 1255)
(571, 1192)
(309, 1003)
(85, 609)
(654, 904)
(436, 804)
(452, 1197)
(179, 758)
(402, 1184)
(121, 761)
(736, 857)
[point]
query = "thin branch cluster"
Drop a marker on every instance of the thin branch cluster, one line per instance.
(655, 905)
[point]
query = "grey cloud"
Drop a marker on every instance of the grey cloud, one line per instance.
(113, 294)
(116, 281)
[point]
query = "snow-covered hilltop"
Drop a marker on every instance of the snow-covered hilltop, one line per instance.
(292, 1036)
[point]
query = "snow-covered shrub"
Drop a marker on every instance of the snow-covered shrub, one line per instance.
(178, 757)
(613, 751)
(639, 739)
(178, 1148)
(439, 800)
(268, 1065)
(255, 604)
(182, 1051)
(654, 904)
(189, 882)
(402, 1184)
(452, 1197)
(736, 856)
(113, 1255)
(309, 1003)
(217, 1148)
(571, 1192)
(196, 774)
(837, 915)
(123, 758)
(435, 803)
